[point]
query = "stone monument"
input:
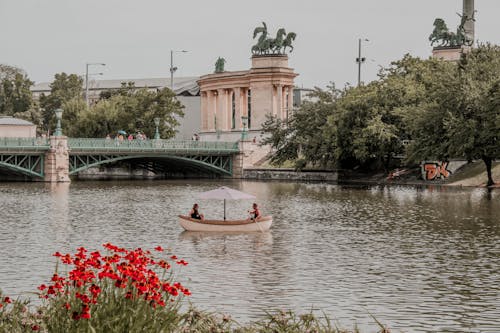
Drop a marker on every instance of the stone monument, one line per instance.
(450, 45)
(234, 104)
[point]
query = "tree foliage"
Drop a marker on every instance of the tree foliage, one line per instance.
(444, 109)
(15, 94)
(132, 110)
(462, 121)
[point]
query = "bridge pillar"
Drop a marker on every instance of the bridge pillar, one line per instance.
(251, 155)
(56, 166)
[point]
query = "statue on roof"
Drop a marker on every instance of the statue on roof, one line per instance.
(219, 65)
(443, 37)
(267, 45)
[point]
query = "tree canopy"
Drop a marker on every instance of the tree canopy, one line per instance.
(420, 109)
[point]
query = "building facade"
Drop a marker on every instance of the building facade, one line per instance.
(238, 101)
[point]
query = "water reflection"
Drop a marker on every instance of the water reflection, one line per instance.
(419, 259)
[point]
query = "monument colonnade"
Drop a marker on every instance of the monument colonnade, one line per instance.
(232, 101)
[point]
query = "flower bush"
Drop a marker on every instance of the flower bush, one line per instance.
(130, 291)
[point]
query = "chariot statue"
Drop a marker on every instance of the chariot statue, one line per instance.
(443, 37)
(219, 65)
(268, 45)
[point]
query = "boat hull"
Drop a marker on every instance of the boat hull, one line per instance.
(261, 225)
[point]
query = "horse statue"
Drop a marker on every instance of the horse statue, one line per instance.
(277, 43)
(440, 34)
(219, 65)
(290, 37)
(444, 37)
(262, 46)
(267, 45)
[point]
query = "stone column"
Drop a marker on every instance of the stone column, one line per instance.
(237, 106)
(56, 165)
(290, 101)
(210, 110)
(468, 10)
(221, 109)
(279, 87)
(204, 111)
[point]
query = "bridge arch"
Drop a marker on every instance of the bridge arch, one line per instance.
(31, 165)
(216, 164)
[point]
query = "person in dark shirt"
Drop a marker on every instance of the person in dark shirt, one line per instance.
(195, 214)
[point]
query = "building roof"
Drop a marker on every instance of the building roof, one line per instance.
(6, 120)
(182, 85)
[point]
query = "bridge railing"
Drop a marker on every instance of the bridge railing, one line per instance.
(24, 143)
(90, 144)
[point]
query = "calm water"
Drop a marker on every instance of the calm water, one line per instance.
(418, 259)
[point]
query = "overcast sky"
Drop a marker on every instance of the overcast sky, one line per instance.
(134, 38)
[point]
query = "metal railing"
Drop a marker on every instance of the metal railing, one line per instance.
(89, 144)
(24, 143)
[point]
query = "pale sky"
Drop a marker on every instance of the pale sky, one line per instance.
(134, 38)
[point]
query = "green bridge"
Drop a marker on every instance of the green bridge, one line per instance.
(33, 157)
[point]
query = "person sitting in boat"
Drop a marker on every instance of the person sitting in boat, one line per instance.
(255, 213)
(195, 214)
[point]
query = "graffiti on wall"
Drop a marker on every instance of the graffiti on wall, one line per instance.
(434, 170)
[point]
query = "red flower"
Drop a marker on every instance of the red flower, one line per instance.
(7, 300)
(42, 287)
(57, 254)
(159, 248)
(182, 262)
(67, 306)
(173, 257)
(35, 328)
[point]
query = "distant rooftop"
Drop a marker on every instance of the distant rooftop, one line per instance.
(6, 120)
(182, 85)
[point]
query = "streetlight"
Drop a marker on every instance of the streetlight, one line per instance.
(58, 131)
(244, 131)
(157, 123)
(360, 60)
(87, 79)
(172, 68)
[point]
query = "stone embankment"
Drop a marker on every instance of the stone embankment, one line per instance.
(289, 174)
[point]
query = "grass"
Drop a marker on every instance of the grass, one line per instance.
(474, 174)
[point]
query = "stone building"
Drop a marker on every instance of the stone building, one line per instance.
(237, 101)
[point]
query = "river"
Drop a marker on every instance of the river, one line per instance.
(417, 259)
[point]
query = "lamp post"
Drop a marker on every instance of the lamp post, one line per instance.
(157, 123)
(87, 79)
(172, 68)
(58, 131)
(244, 120)
(360, 60)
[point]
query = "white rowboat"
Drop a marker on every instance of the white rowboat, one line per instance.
(262, 224)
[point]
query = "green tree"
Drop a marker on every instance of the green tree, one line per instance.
(63, 89)
(461, 120)
(15, 94)
(302, 137)
(131, 110)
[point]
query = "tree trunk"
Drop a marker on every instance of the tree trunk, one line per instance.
(487, 161)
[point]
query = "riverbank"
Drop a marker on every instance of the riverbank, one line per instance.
(470, 175)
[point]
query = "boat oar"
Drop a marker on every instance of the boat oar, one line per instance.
(258, 225)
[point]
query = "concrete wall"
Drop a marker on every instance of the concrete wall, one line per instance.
(434, 170)
(289, 174)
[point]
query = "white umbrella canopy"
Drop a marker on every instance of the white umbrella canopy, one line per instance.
(225, 193)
